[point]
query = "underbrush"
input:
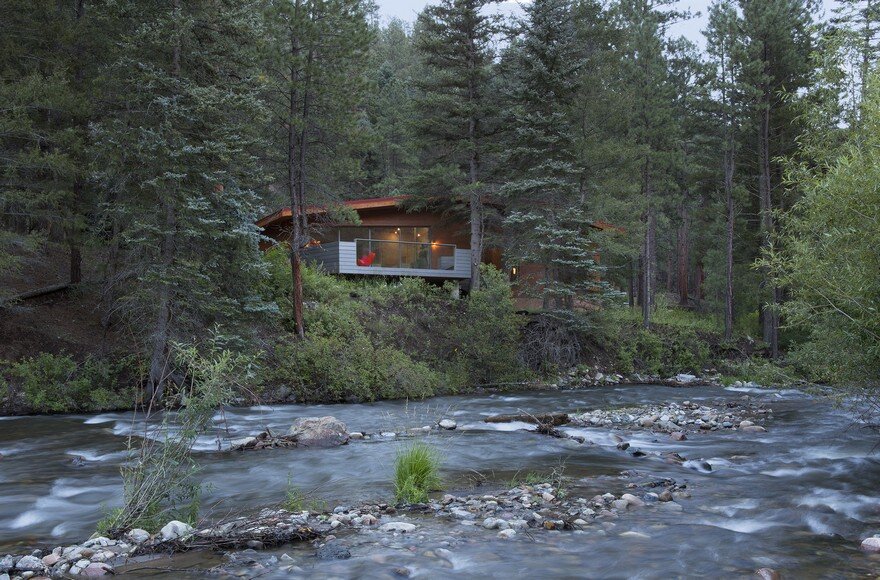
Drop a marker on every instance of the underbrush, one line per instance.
(57, 383)
(378, 339)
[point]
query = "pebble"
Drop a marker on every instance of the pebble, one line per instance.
(506, 534)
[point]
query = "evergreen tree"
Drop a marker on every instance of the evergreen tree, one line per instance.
(548, 220)
(455, 111)
(652, 128)
(49, 55)
(315, 56)
(392, 153)
(776, 64)
(724, 45)
(177, 161)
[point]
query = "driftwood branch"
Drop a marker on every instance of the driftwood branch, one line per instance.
(35, 293)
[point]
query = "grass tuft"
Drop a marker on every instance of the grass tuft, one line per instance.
(416, 472)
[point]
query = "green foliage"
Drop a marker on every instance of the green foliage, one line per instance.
(827, 255)
(295, 500)
(408, 339)
(416, 472)
(159, 479)
(58, 384)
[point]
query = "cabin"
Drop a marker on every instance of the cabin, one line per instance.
(389, 241)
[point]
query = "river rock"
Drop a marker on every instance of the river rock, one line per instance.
(355, 435)
(319, 432)
(743, 424)
(506, 534)
(402, 527)
(138, 536)
(665, 496)
(96, 569)
(632, 500)
(677, 436)
(871, 544)
(447, 424)
(29, 564)
(242, 443)
(752, 429)
(175, 530)
(333, 551)
(50, 560)
(767, 574)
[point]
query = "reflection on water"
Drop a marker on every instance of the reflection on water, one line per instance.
(797, 498)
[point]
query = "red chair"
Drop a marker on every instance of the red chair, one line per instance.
(367, 260)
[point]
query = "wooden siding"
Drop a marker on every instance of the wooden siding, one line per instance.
(341, 258)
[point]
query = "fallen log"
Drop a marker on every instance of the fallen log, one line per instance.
(35, 293)
(551, 419)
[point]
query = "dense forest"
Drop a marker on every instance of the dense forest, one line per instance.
(141, 139)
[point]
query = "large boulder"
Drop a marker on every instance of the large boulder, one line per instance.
(318, 432)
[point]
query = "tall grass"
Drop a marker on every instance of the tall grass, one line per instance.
(416, 472)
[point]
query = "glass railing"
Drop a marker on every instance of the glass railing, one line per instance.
(416, 255)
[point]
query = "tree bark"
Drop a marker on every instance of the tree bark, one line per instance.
(684, 256)
(296, 175)
(648, 250)
(476, 201)
(728, 238)
(159, 355)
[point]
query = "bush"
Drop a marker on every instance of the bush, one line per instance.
(416, 472)
(57, 383)
(407, 339)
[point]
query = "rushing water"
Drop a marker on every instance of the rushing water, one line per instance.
(798, 498)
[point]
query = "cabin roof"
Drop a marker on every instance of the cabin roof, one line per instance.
(285, 213)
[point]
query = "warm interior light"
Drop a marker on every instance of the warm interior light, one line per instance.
(513, 270)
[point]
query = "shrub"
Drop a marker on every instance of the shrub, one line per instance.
(57, 383)
(416, 472)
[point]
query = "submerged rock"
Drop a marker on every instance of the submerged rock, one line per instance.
(767, 574)
(332, 551)
(318, 432)
(402, 527)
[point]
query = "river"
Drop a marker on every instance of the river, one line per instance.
(798, 498)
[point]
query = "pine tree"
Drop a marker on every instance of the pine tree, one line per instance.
(456, 110)
(315, 56)
(652, 127)
(49, 55)
(723, 45)
(178, 160)
(548, 220)
(776, 64)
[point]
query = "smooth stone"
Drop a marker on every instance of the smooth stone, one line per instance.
(632, 500)
(29, 564)
(401, 527)
(665, 496)
(138, 536)
(96, 569)
(753, 429)
(871, 544)
(242, 442)
(356, 435)
(745, 424)
(174, 530)
(447, 424)
(638, 535)
(677, 436)
(319, 432)
(506, 534)
(767, 574)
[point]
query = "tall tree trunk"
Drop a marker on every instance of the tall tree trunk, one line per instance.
(770, 317)
(73, 234)
(296, 185)
(648, 250)
(476, 201)
(161, 331)
(728, 238)
(684, 257)
(633, 282)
